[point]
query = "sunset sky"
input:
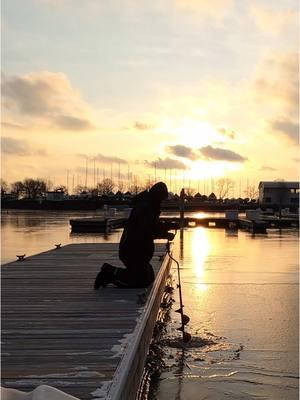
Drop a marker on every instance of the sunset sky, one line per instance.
(192, 89)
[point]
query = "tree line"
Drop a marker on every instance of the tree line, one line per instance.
(37, 188)
(31, 188)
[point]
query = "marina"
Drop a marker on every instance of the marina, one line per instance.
(58, 331)
(258, 224)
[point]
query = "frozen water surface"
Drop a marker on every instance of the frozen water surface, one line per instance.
(240, 291)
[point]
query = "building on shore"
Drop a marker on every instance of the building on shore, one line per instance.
(57, 195)
(279, 194)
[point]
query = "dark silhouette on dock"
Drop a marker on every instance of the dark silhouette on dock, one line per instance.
(137, 242)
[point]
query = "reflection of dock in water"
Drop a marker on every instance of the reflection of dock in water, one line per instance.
(58, 331)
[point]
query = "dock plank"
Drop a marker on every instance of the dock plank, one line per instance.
(58, 331)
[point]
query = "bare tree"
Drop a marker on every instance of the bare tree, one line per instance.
(251, 192)
(4, 186)
(34, 188)
(17, 188)
(190, 192)
(61, 188)
(135, 189)
(79, 189)
(121, 187)
(106, 187)
(224, 186)
(148, 184)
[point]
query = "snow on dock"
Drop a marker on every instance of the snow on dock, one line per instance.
(58, 331)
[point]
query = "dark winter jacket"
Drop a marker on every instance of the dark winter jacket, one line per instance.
(143, 226)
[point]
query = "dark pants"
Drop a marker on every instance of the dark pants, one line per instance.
(137, 274)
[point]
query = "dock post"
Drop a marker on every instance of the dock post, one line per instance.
(181, 208)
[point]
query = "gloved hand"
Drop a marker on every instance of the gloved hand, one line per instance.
(171, 225)
(170, 236)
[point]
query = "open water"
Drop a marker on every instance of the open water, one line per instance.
(240, 291)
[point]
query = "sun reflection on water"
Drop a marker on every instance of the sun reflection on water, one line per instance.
(200, 214)
(201, 247)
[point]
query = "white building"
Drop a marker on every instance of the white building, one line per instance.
(279, 193)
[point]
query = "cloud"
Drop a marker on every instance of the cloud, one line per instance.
(10, 125)
(267, 168)
(19, 147)
(36, 93)
(215, 153)
(180, 150)
(227, 132)
(142, 126)
(68, 122)
(272, 21)
(45, 97)
(109, 159)
(277, 82)
(288, 128)
(167, 163)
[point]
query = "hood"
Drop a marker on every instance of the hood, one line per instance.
(159, 192)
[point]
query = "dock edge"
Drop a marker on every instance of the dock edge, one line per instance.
(128, 375)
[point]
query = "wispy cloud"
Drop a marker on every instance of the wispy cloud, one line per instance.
(18, 147)
(68, 122)
(207, 152)
(267, 168)
(287, 127)
(103, 159)
(215, 153)
(227, 132)
(142, 126)
(180, 150)
(11, 125)
(167, 163)
(277, 82)
(109, 159)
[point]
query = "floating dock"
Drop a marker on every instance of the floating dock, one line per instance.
(260, 225)
(90, 225)
(58, 331)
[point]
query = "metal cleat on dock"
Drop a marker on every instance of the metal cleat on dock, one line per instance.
(21, 257)
(57, 246)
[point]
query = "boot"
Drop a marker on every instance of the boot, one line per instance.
(105, 276)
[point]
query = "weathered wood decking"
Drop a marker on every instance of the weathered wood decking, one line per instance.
(58, 331)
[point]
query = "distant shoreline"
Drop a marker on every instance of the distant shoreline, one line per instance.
(96, 204)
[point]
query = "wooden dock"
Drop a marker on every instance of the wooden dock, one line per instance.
(58, 331)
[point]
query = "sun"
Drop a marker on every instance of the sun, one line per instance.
(195, 134)
(207, 169)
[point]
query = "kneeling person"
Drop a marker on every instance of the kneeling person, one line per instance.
(137, 242)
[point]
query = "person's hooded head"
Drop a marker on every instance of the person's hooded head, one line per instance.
(158, 192)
